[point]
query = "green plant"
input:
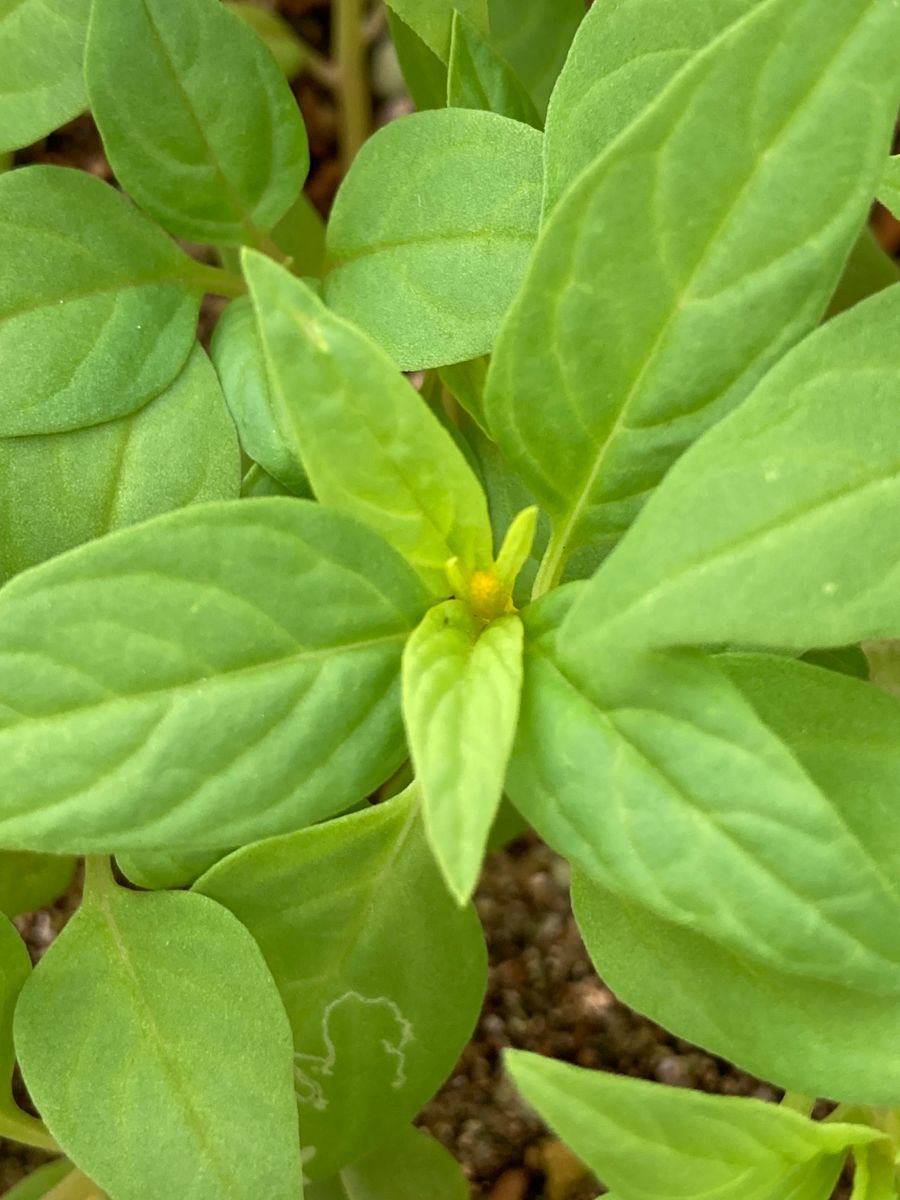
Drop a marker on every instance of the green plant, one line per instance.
(615, 560)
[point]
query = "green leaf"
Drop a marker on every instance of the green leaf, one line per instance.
(96, 316)
(461, 686)
(382, 975)
(431, 230)
(228, 671)
(210, 163)
(14, 970)
(465, 382)
(32, 881)
(179, 449)
(39, 1184)
(301, 235)
(817, 1035)
(644, 342)
(410, 1167)
(868, 270)
(535, 38)
(431, 20)
(41, 49)
(657, 777)
(649, 1142)
(624, 56)
(173, 986)
(874, 1175)
(479, 78)
(770, 531)
(889, 191)
(158, 870)
(258, 482)
(424, 73)
(286, 48)
(335, 398)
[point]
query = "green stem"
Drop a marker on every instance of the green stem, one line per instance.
(215, 280)
(350, 57)
(75, 1186)
(551, 568)
(27, 1131)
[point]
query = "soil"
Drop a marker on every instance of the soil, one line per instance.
(543, 994)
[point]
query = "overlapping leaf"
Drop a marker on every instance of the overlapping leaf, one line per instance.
(478, 77)
(381, 973)
(431, 20)
(535, 38)
(216, 675)
(213, 164)
(431, 230)
(95, 315)
(336, 404)
(31, 881)
(179, 449)
(621, 349)
(165, 998)
(772, 530)
(410, 1167)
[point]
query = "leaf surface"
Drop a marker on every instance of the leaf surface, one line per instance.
(479, 78)
(431, 230)
(95, 316)
(889, 191)
(535, 38)
(226, 672)
(461, 688)
(41, 51)
(770, 531)
(175, 987)
(179, 449)
(619, 352)
(651, 1142)
(14, 970)
(32, 881)
(209, 163)
(335, 398)
(380, 1006)
(40, 1183)
(431, 20)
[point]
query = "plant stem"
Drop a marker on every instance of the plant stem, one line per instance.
(75, 1186)
(27, 1131)
(215, 280)
(551, 568)
(350, 58)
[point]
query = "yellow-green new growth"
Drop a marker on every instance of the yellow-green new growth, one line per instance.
(489, 592)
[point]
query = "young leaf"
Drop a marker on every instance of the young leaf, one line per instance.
(31, 881)
(210, 163)
(535, 38)
(334, 398)
(790, 1025)
(382, 975)
(424, 73)
(461, 686)
(96, 316)
(649, 1142)
(624, 55)
(410, 1167)
(173, 986)
(655, 337)
(479, 78)
(656, 776)
(40, 1183)
(179, 449)
(41, 51)
(431, 230)
(227, 672)
(431, 20)
(889, 191)
(770, 530)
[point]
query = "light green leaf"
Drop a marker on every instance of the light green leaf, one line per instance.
(770, 531)
(258, 482)
(621, 350)
(651, 1142)
(656, 776)
(179, 449)
(431, 20)
(210, 163)
(96, 316)
(32, 881)
(410, 1167)
(874, 1175)
(158, 870)
(382, 975)
(39, 1184)
(227, 672)
(41, 49)
(14, 970)
(624, 56)
(889, 191)
(535, 39)
(868, 270)
(431, 230)
(465, 382)
(287, 49)
(815, 1035)
(172, 986)
(461, 686)
(479, 78)
(423, 72)
(335, 398)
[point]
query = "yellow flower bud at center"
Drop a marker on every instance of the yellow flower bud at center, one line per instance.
(487, 595)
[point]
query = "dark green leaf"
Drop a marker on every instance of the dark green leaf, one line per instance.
(535, 37)
(479, 78)
(423, 71)
(32, 881)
